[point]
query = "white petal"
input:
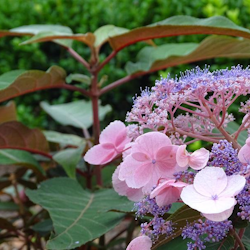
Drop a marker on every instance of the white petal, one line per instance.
(210, 181)
(220, 216)
(235, 183)
(205, 204)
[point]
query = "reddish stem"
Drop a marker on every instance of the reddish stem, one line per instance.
(117, 83)
(237, 240)
(113, 54)
(96, 122)
(78, 57)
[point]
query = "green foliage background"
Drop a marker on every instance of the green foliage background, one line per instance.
(88, 15)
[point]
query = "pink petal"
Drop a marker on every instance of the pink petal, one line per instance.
(167, 192)
(128, 173)
(248, 141)
(155, 177)
(138, 156)
(121, 140)
(127, 149)
(235, 183)
(134, 194)
(210, 181)
(220, 216)
(182, 156)
(127, 169)
(142, 175)
(115, 133)
(244, 154)
(122, 188)
(119, 186)
(168, 197)
(150, 143)
(166, 158)
(140, 243)
(100, 154)
(205, 204)
(199, 159)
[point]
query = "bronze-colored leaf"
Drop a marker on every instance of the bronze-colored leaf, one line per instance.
(151, 59)
(179, 25)
(8, 112)
(15, 135)
(87, 38)
(31, 81)
(62, 35)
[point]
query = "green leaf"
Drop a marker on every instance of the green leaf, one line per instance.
(227, 244)
(179, 25)
(78, 216)
(8, 206)
(69, 159)
(169, 55)
(64, 139)
(232, 127)
(175, 206)
(78, 78)
(20, 158)
(176, 244)
(15, 83)
(103, 33)
(44, 227)
(46, 30)
(246, 237)
(77, 114)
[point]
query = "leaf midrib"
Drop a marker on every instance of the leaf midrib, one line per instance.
(78, 218)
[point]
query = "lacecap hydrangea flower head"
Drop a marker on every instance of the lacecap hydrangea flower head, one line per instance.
(158, 170)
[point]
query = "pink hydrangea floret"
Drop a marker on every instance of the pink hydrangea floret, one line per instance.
(112, 143)
(140, 243)
(196, 160)
(121, 187)
(244, 152)
(167, 192)
(151, 158)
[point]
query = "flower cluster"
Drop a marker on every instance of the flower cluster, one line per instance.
(224, 155)
(243, 199)
(157, 225)
(157, 169)
(205, 231)
(201, 95)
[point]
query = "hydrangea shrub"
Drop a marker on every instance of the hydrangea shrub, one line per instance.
(157, 170)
